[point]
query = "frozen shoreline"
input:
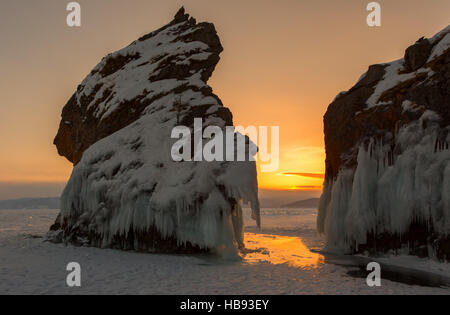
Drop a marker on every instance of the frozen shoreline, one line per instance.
(30, 266)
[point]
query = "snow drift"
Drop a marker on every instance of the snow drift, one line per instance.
(387, 184)
(125, 190)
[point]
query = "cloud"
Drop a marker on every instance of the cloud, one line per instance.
(311, 175)
(303, 187)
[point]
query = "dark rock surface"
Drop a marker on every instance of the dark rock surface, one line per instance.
(83, 123)
(375, 113)
(417, 55)
(348, 120)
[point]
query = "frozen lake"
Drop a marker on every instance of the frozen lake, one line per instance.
(284, 258)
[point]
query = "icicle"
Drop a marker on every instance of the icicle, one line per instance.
(414, 187)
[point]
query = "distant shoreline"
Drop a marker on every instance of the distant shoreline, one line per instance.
(30, 203)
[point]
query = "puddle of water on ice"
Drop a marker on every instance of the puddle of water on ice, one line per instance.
(276, 249)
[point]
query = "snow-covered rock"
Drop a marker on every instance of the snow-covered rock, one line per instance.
(126, 191)
(144, 77)
(387, 140)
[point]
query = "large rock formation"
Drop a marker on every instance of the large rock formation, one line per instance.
(126, 191)
(387, 184)
(179, 57)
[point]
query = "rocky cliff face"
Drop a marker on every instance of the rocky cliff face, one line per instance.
(179, 57)
(387, 140)
(126, 191)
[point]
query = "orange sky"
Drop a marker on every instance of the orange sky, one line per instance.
(284, 61)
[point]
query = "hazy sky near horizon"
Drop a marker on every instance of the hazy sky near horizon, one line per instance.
(284, 62)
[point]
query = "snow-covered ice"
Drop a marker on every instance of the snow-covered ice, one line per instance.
(278, 262)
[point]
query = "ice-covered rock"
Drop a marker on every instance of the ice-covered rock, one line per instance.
(125, 190)
(387, 184)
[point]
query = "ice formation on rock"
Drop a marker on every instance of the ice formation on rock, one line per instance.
(387, 184)
(125, 190)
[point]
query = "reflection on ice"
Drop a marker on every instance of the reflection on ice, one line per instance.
(277, 250)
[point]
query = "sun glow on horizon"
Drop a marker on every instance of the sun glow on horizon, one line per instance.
(289, 83)
(308, 159)
(300, 168)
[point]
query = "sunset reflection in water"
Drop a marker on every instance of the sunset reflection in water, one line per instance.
(278, 250)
